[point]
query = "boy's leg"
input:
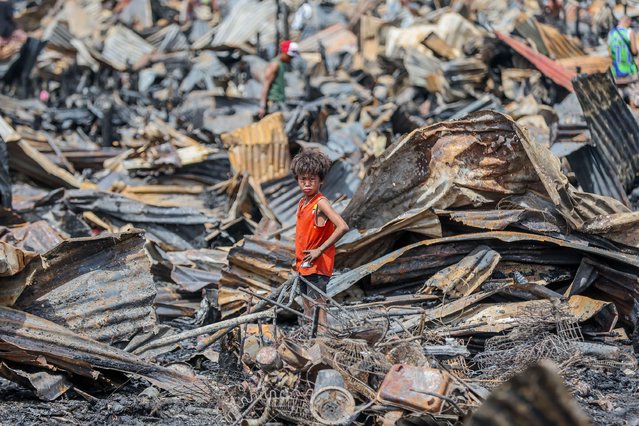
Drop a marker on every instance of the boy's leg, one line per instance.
(319, 281)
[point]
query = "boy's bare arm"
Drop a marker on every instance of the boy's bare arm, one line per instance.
(341, 228)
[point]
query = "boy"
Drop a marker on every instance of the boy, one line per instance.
(318, 227)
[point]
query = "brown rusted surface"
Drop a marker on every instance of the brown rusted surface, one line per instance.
(469, 162)
(429, 256)
(260, 149)
(464, 277)
(37, 236)
(412, 388)
(255, 264)
(26, 339)
(502, 317)
(101, 286)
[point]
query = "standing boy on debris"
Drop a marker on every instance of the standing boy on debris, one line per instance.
(317, 229)
(273, 93)
(622, 44)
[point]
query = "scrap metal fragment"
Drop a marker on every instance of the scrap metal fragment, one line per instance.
(29, 340)
(463, 278)
(614, 130)
(261, 149)
(100, 287)
(414, 388)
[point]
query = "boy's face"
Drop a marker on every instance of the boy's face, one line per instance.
(309, 184)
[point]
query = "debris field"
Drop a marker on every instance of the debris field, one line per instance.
(482, 157)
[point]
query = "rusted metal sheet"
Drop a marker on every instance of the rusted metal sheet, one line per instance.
(179, 228)
(100, 287)
(483, 159)
(261, 149)
(405, 262)
(548, 40)
(123, 47)
(255, 264)
(37, 236)
(28, 340)
(497, 220)
(473, 161)
(547, 66)
(13, 259)
(246, 19)
(414, 388)
(30, 162)
(502, 317)
(464, 277)
(48, 386)
(356, 247)
(614, 130)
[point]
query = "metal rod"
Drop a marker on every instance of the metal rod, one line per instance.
(234, 322)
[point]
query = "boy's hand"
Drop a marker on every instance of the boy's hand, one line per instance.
(311, 255)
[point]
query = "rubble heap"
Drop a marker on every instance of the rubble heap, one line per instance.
(481, 157)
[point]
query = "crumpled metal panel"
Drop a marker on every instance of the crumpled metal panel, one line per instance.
(405, 264)
(37, 236)
(464, 277)
(474, 161)
(501, 317)
(614, 130)
(100, 287)
(124, 47)
(261, 149)
(254, 264)
(29, 340)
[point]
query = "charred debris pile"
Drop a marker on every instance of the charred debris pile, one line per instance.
(483, 159)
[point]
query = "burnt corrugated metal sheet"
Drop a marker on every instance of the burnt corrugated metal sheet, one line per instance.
(100, 287)
(261, 149)
(611, 166)
(123, 47)
(547, 66)
(257, 265)
(26, 339)
(169, 39)
(37, 236)
(246, 20)
(548, 40)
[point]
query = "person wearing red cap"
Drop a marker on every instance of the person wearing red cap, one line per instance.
(273, 92)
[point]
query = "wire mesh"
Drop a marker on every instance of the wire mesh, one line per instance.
(546, 333)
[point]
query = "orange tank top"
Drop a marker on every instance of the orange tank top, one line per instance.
(308, 236)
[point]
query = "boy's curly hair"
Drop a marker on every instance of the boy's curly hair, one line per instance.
(312, 162)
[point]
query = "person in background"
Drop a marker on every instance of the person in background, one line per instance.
(622, 44)
(317, 229)
(274, 90)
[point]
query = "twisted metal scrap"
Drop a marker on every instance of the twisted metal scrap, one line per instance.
(529, 342)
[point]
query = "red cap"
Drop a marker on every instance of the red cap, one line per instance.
(290, 48)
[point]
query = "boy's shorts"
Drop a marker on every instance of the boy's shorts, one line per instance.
(319, 281)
